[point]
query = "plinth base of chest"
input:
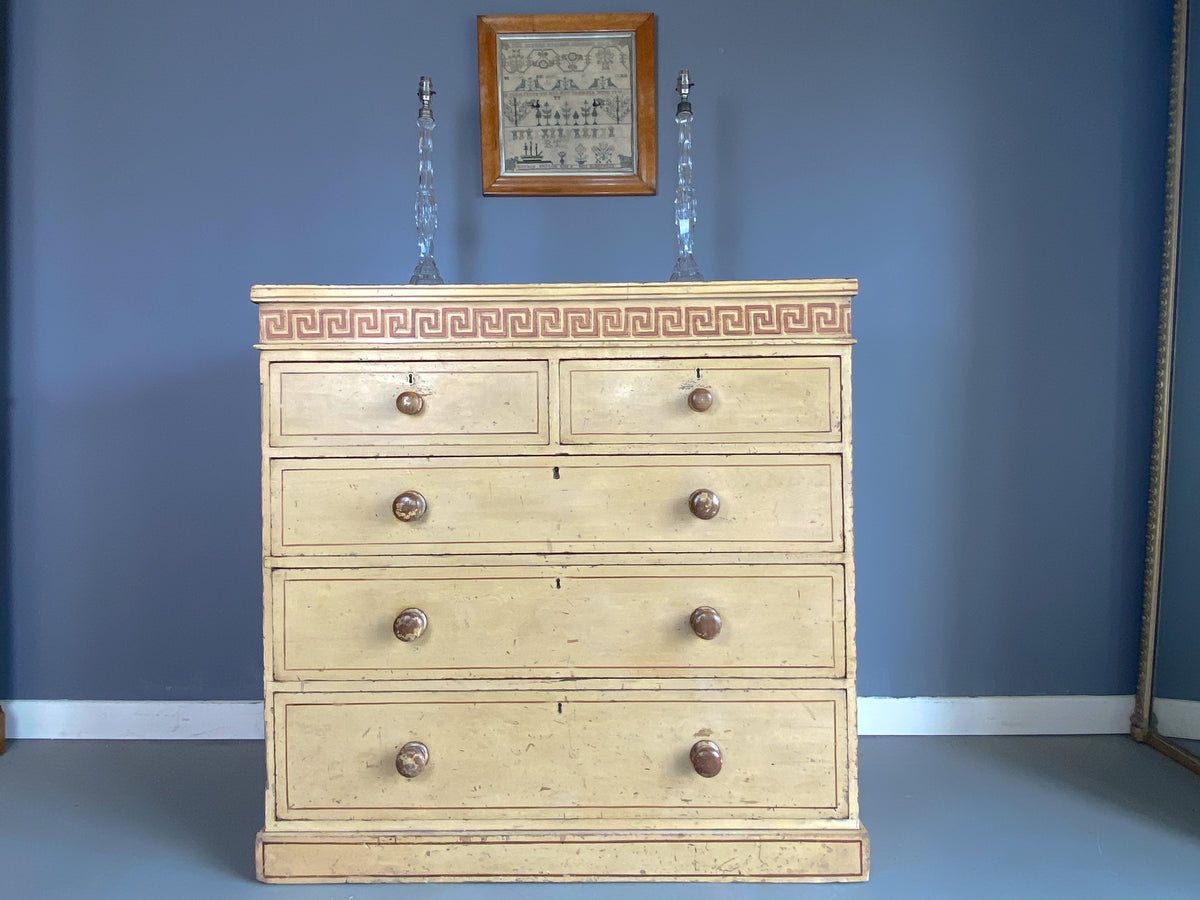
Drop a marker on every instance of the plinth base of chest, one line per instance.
(826, 854)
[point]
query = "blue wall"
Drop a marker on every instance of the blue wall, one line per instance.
(992, 172)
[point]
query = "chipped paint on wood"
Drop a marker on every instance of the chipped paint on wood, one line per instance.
(561, 605)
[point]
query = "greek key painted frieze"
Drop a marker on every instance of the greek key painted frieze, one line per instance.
(384, 322)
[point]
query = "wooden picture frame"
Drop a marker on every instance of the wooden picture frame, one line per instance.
(567, 104)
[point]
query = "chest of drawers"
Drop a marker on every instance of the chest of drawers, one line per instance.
(559, 583)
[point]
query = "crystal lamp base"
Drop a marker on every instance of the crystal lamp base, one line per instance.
(426, 272)
(686, 269)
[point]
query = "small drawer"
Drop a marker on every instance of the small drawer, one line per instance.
(549, 622)
(567, 504)
(398, 403)
(729, 401)
(579, 754)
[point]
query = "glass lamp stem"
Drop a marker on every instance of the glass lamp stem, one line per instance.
(426, 271)
(685, 193)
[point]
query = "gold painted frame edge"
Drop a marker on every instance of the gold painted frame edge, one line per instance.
(1141, 724)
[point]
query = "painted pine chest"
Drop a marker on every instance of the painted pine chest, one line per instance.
(559, 583)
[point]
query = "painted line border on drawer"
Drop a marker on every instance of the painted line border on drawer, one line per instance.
(612, 573)
(572, 368)
(286, 707)
(833, 462)
(281, 370)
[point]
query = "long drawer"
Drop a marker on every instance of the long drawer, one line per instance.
(673, 621)
(560, 755)
(703, 400)
(571, 504)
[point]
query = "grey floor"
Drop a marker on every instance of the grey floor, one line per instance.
(1192, 747)
(966, 817)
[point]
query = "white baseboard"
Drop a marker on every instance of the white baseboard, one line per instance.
(154, 720)
(1177, 718)
(144, 720)
(994, 715)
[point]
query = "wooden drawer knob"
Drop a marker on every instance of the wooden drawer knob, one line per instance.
(706, 758)
(408, 506)
(705, 621)
(701, 399)
(412, 759)
(704, 504)
(411, 624)
(410, 403)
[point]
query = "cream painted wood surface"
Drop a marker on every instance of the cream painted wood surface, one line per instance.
(558, 684)
(646, 401)
(578, 505)
(628, 856)
(468, 402)
(574, 754)
(504, 622)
